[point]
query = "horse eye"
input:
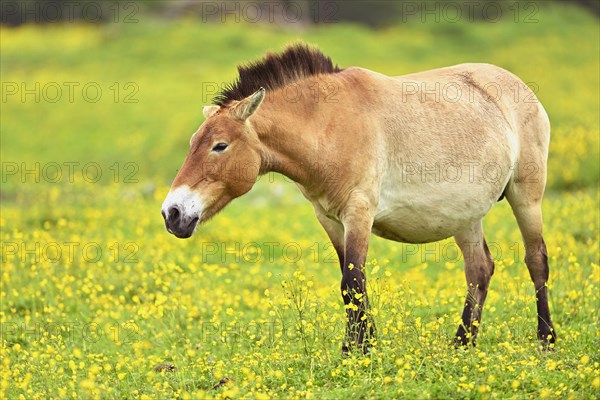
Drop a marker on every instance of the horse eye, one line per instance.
(219, 147)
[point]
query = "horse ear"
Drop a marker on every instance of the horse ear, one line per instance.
(249, 105)
(209, 110)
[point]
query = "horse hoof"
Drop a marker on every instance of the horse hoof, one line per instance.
(547, 339)
(345, 351)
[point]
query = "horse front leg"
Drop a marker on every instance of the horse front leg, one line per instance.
(360, 329)
(335, 231)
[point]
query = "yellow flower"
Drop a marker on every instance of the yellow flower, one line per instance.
(584, 359)
(484, 388)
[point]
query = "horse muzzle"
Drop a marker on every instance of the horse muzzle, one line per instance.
(182, 210)
(178, 224)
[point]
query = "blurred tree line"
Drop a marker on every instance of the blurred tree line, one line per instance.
(373, 13)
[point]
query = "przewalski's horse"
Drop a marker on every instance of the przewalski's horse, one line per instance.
(357, 143)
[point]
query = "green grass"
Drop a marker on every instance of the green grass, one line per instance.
(254, 295)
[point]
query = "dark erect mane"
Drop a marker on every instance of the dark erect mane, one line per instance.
(296, 62)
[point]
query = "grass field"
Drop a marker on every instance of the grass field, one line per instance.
(99, 301)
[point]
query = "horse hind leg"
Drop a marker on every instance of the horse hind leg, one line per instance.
(524, 193)
(479, 268)
(525, 201)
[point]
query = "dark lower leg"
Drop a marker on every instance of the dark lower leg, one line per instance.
(539, 271)
(358, 221)
(479, 268)
(471, 317)
(360, 328)
(545, 328)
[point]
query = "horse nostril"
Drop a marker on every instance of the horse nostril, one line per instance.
(174, 213)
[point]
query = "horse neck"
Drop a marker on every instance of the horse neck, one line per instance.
(288, 135)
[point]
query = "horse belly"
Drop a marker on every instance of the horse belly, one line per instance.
(428, 213)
